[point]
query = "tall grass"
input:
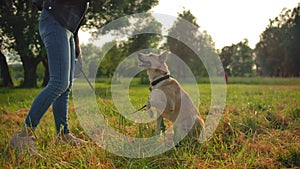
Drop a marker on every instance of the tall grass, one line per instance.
(259, 129)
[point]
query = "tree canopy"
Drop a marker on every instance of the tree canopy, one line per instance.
(187, 42)
(237, 59)
(278, 51)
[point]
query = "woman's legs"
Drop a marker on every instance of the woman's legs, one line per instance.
(59, 43)
(60, 105)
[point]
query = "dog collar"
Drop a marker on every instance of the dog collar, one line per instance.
(155, 82)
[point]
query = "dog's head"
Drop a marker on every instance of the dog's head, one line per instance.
(153, 61)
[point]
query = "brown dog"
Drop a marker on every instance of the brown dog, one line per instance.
(169, 98)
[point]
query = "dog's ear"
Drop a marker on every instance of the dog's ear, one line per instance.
(163, 56)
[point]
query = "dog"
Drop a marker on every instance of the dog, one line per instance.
(169, 99)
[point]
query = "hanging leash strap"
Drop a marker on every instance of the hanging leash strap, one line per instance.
(87, 79)
(91, 86)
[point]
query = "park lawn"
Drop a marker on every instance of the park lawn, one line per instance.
(260, 128)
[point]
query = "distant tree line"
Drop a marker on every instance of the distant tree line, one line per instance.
(174, 42)
(276, 54)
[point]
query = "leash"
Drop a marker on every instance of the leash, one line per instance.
(87, 79)
(94, 90)
(139, 109)
(155, 82)
(91, 86)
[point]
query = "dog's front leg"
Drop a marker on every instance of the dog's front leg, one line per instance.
(158, 116)
(158, 123)
(158, 101)
(150, 112)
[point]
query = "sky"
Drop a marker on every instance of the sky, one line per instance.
(227, 21)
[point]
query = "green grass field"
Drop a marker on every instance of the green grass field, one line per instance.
(260, 128)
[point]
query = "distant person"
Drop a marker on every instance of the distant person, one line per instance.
(226, 77)
(58, 27)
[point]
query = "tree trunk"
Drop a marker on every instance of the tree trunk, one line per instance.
(7, 81)
(29, 76)
(30, 66)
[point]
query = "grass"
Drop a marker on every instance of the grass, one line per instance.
(259, 129)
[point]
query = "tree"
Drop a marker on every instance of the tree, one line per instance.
(237, 59)
(5, 75)
(277, 53)
(114, 52)
(243, 62)
(270, 52)
(183, 37)
(101, 13)
(144, 39)
(111, 60)
(226, 57)
(4, 71)
(292, 45)
(91, 56)
(19, 23)
(138, 35)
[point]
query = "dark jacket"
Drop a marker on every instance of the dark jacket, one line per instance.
(69, 13)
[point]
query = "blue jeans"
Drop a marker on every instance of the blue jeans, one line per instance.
(60, 47)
